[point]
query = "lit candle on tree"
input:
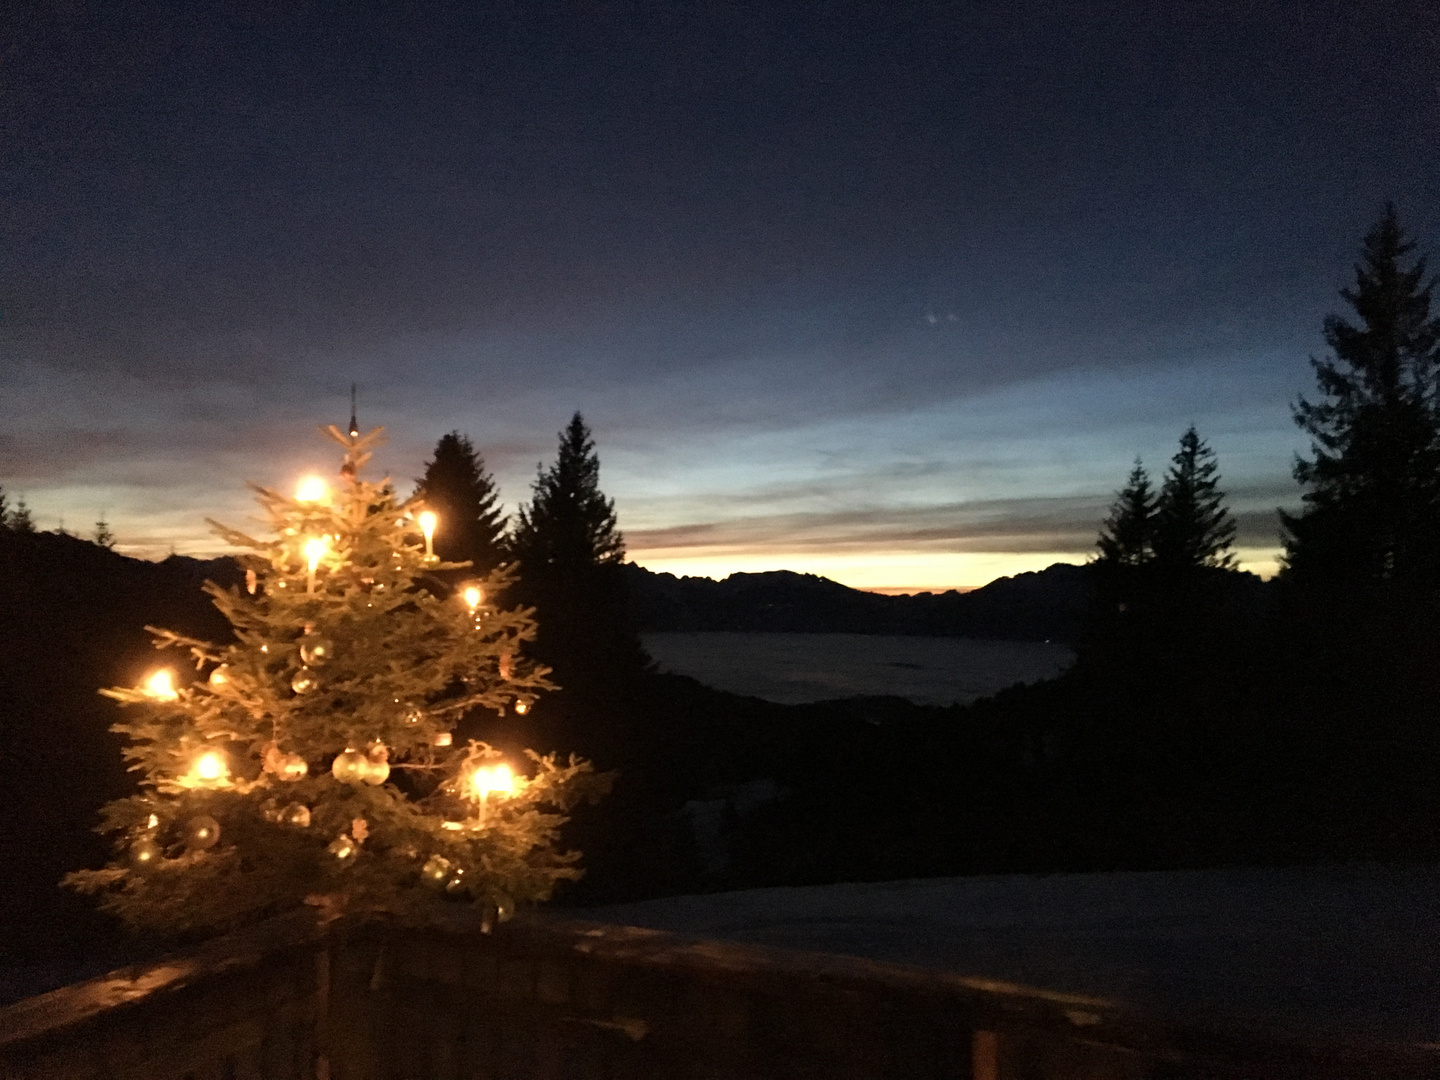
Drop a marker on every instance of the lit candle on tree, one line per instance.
(488, 779)
(315, 549)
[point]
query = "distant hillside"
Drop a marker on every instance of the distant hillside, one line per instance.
(1046, 605)
(72, 618)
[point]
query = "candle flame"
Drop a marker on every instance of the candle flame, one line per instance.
(210, 766)
(161, 685)
(427, 523)
(315, 549)
(496, 779)
(312, 489)
(473, 596)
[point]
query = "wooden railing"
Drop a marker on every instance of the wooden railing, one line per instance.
(548, 998)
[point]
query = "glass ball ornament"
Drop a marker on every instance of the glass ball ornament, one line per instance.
(304, 681)
(316, 651)
(436, 871)
(145, 853)
(376, 773)
(351, 767)
(296, 816)
(220, 677)
(412, 714)
(292, 767)
(201, 833)
(456, 884)
(343, 849)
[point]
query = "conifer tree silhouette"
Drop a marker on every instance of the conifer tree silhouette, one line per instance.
(1192, 526)
(1127, 535)
(460, 490)
(1372, 482)
(569, 550)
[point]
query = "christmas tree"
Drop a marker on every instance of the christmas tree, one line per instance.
(313, 759)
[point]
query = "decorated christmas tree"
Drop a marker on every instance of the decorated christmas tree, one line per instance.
(313, 759)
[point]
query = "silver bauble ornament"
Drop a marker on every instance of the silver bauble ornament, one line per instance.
(296, 815)
(316, 651)
(201, 833)
(304, 681)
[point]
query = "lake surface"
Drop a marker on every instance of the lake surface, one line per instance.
(797, 668)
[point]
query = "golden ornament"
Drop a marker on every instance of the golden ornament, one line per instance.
(343, 849)
(436, 871)
(350, 767)
(293, 767)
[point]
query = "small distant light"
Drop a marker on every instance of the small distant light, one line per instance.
(312, 489)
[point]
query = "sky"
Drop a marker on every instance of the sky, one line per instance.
(890, 292)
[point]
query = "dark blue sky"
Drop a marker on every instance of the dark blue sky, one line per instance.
(893, 292)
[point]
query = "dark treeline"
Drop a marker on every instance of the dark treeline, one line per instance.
(1208, 719)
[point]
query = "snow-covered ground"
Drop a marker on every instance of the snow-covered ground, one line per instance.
(1352, 948)
(796, 668)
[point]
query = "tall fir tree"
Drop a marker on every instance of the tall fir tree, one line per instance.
(4, 510)
(1192, 527)
(313, 760)
(1372, 483)
(569, 550)
(1127, 535)
(460, 490)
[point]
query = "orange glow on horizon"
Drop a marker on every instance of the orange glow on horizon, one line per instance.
(894, 572)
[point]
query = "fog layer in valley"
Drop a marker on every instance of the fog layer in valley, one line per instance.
(797, 668)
